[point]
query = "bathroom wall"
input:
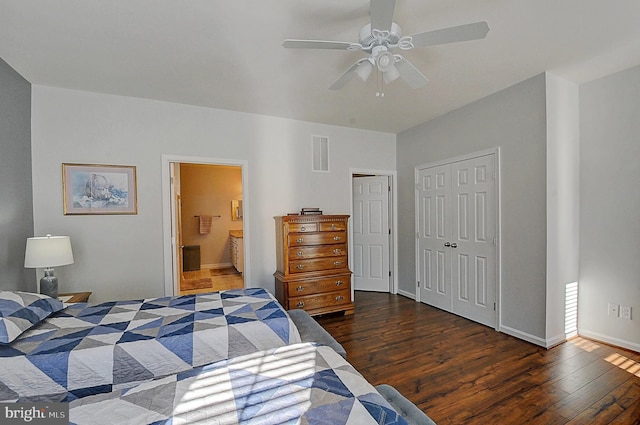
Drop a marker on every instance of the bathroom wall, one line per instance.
(209, 190)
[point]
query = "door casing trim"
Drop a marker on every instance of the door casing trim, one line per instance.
(393, 204)
(170, 283)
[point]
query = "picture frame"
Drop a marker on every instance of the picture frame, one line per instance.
(95, 189)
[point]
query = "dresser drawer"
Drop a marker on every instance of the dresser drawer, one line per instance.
(308, 287)
(303, 252)
(319, 301)
(324, 238)
(303, 227)
(334, 226)
(317, 264)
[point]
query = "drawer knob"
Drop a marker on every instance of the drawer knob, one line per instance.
(299, 240)
(300, 304)
(337, 263)
(299, 253)
(302, 229)
(299, 288)
(339, 283)
(336, 251)
(299, 267)
(333, 226)
(337, 238)
(339, 298)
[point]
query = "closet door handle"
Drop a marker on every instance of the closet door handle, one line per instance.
(454, 245)
(447, 244)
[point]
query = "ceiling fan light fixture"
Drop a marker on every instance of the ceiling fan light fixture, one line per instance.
(385, 61)
(364, 70)
(390, 74)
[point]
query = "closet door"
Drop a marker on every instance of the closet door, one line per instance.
(473, 248)
(456, 219)
(433, 206)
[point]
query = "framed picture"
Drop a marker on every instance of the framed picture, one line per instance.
(99, 189)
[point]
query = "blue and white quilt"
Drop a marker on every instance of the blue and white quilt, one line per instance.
(89, 349)
(297, 384)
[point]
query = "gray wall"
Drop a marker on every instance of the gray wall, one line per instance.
(610, 207)
(16, 201)
(513, 119)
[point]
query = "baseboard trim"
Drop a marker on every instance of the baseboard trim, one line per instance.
(407, 294)
(523, 335)
(633, 346)
(216, 266)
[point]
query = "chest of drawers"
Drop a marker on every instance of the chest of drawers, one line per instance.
(312, 263)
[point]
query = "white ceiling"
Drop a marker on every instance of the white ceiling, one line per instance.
(228, 54)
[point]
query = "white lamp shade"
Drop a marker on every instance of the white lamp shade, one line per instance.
(48, 251)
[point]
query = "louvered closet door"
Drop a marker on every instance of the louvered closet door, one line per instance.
(456, 247)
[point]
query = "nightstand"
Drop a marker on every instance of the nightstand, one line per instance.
(74, 297)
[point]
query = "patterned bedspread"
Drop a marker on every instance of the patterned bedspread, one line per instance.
(297, 384)
(90, 349)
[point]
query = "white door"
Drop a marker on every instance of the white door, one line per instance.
(473, 245)
(433, 224)
(457, 251)
(370, 225)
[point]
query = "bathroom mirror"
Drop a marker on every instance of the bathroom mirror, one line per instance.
(236, 209)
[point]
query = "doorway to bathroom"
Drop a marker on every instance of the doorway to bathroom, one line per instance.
(207, 226)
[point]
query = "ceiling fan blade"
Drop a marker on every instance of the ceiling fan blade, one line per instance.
(320, 44)
(382, 14)
(465, 32)
(410, 74)
(346, 77)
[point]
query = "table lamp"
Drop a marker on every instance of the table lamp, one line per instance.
(48, 252)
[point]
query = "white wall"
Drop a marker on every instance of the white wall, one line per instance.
(610, 207)
(563, 207)
(120, 257)
(515, 120)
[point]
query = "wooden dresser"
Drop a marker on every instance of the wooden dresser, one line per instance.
(312, 263)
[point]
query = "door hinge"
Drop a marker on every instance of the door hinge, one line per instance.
(418, 284)
(389, 188)
(172, 180)
(494, 306)
(389, 273)
(389, 231)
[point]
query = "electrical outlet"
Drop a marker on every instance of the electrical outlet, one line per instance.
(614, 309)
(625, 312)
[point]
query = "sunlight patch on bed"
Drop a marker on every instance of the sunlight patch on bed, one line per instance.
(230, 389)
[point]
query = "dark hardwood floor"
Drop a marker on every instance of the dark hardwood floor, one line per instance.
(460, 372)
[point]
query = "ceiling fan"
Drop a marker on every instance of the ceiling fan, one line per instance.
(381, 37)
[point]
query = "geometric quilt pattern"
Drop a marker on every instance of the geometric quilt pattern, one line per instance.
(297, 384)
(89, 349)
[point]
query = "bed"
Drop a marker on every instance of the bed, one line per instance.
(87, 349)
(296, 384)
(225, 357)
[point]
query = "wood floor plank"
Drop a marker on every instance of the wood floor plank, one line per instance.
(460, 372)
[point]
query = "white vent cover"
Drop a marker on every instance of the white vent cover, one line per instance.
(320, 153)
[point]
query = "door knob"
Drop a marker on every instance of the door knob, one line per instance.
(447, 244)
(454, 245)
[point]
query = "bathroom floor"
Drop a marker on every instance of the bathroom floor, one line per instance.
(209, 280)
